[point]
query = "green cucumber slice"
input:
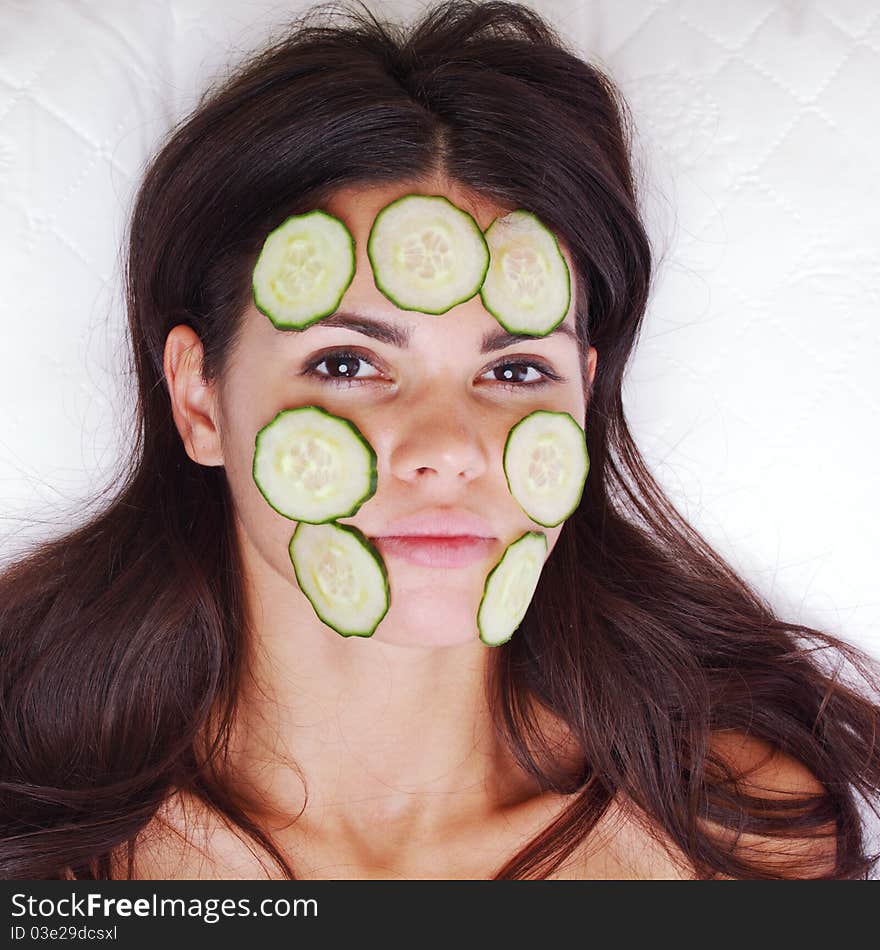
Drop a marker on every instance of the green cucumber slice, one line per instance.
(342, 574)
(509, 588)
(303, 270)
(528, 286)
(546, 465)
(313, 466)
(426, 253)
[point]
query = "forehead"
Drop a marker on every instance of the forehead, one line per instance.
(357, 206)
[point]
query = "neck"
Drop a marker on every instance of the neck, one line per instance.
(356, 733)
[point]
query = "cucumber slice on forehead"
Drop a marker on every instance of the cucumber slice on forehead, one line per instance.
(313, 466)
(546, 465)
(426, 253)
(528, 286)
(509, 588)
(343, 575)
(303, 270)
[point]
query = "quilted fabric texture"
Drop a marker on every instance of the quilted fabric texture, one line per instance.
(754, 390)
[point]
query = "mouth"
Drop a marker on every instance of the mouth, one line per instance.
(436, 551)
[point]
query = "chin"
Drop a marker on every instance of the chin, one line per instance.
(432, 608)
(423, 638)
(417, 627)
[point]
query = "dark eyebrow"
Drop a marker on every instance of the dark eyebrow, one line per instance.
(401, 337)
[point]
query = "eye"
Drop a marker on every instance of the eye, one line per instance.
(513, 374)
(344, 366)
(344, 362)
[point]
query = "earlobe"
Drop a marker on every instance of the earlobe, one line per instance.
(193, 401)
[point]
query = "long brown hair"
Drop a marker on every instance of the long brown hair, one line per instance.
(123, 641)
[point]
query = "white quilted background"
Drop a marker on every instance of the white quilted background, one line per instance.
(754, 391)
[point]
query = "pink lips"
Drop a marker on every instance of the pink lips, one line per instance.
(439, 537)
(437, 552)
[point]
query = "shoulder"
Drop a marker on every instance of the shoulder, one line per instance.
(183, 841)
(764, 766)
(628, 845)
(764, 770)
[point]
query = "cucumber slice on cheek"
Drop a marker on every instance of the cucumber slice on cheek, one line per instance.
(343, 575)
(509, 588)
(314, 467)
(311, 465)
(546, 465)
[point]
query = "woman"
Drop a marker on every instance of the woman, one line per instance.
(174, 706)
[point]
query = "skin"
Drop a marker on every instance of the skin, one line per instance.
(391, 733)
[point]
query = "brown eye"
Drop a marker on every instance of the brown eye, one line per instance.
(512, 372)
(342, 367)
(347, 366)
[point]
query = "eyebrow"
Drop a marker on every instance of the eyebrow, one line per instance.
(402, 336)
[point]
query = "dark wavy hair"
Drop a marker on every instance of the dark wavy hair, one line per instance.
(123, 642)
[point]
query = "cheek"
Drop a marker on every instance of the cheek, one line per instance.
(575, 400)
(241, 417)
(237, 435)
(264, 533)
(267, 530)
(248, 400)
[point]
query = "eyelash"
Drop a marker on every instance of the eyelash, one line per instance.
(310, 370)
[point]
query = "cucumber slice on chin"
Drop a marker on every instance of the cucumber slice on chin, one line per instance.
(546, 465)
(342, 574)
(509, 588)
(426, 253)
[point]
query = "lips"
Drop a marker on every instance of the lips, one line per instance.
(447, 551)
(440, 522)
(438, 537)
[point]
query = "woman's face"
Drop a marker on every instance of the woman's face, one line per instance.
(434, 402)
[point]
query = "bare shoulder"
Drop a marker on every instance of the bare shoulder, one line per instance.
(766, 771)
(163, 850)
(184, 842)
(626, 844)
(640, 850)
(765, 766)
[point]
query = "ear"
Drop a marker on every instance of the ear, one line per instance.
(193, 402)
(592, 358)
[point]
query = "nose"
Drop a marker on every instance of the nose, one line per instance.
(439, 443)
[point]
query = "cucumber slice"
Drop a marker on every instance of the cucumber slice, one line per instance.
(509, 588)
(426, 253)
(528, 286)
(343, 575)
(303, 270)
(313, 466)
(546, 465)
